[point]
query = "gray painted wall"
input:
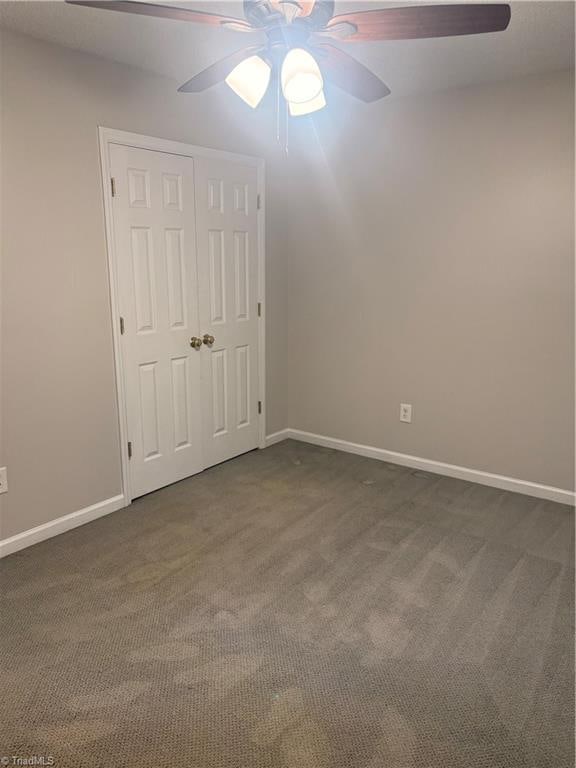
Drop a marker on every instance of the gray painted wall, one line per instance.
(432, 263)
(417, 251)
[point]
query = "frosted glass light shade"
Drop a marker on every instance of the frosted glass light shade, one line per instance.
(250, 79)
(301, 77)
(319, 102)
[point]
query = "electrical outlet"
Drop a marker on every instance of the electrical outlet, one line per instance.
(406, 412)
(3, 479)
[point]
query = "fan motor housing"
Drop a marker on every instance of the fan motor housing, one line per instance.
(263, 13)
(260, 13)
(288, 36)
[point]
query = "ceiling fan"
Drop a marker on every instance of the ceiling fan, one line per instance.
(298, 50)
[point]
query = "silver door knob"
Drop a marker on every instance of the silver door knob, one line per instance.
(208, 339)
(195, 342)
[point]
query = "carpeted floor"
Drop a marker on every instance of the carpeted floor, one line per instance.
(296, 608)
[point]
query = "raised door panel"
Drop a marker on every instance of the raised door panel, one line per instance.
(143, 270)
(178, 300)
(240, 198)
(217, 270)
(215, 189)
(241, 275)
(242, 386)
(149, 407)
(219, 386)
(181, 392)
(172, 191)
(139, 187)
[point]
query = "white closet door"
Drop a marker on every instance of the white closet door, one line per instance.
(227, 236)
(155, 246)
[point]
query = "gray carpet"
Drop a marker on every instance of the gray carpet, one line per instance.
(297, 608)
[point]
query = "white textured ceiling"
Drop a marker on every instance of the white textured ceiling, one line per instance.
(540, 38)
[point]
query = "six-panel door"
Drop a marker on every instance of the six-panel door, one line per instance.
(227, 235)
(154, 228)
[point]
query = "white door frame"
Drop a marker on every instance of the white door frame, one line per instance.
(108, 136)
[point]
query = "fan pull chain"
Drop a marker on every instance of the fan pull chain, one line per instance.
(286, 126)
(278, 110)
(281, 119)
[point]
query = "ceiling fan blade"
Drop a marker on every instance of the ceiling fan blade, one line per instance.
(165, 12)
(413, 22)
(349, 74)
(218, 71)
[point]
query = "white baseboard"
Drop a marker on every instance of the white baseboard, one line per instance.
(61, 524)
(428, 465)
(277, 437)
(74, 519)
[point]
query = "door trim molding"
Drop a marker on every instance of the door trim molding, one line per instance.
(106, 137)
(526, 487)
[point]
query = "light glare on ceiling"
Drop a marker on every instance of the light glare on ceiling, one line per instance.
(250, 79)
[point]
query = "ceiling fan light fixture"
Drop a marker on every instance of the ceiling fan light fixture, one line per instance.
(309, 25)
(301, 77)
(307, 107)
(250, 80)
